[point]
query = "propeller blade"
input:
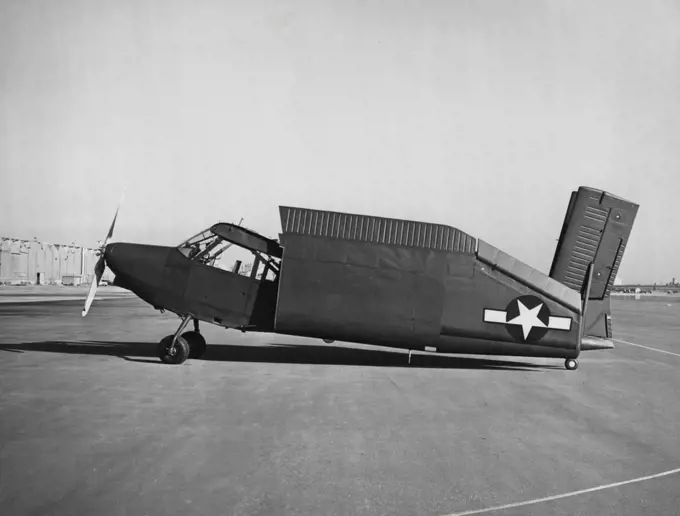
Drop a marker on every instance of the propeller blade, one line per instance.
(100, 266)
(113, 223)
(98, 273)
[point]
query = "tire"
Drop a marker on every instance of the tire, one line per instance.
(571, 364)
(181, 351)
(197, 344)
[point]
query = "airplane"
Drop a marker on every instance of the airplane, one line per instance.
(386, 282)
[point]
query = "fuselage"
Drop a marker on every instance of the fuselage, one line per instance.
(380, 295)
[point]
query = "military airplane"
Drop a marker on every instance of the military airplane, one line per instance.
(386, 282)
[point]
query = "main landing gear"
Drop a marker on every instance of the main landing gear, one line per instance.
(571, 364)
(175, 349)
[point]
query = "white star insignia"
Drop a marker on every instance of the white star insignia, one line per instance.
(527, 319)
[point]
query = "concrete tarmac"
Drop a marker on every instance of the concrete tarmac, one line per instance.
(92, 423)
(32, 294)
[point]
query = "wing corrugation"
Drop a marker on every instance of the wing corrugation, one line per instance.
(615, 268)
(304, 221)
(597, 215)
(585, 247)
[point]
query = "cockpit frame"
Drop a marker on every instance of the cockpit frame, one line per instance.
(208, 245)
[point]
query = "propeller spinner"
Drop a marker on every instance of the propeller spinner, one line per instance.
(101, 263)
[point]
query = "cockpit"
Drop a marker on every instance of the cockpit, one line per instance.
(253, 254)
(205, 246)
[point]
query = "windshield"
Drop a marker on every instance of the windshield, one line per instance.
(204, 246)
(208, 248)
(195, 242)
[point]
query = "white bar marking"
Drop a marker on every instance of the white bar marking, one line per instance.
(559, 323)
(494, 316)
(566, 495)
(647, 347)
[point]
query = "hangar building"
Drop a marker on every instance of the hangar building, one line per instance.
(33, 262)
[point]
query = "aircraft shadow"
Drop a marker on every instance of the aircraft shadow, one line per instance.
(145, 352)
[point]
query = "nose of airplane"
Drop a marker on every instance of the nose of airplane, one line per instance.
(108, 250)
(111, 257)
(135, 264)
(156, 274)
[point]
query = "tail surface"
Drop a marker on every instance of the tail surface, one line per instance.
(595, 231)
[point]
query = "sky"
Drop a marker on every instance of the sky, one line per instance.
(482, 115)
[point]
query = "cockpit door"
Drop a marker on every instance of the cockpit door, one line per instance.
(220, 296)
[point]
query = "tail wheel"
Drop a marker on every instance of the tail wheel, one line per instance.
(197, 344)
(179, 352)
(571, 364)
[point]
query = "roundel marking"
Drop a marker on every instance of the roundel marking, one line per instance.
(527, 319)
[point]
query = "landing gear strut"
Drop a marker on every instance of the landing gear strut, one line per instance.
(176, 348)
(571, 364)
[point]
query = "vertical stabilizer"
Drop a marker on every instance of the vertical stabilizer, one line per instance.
(595, 230)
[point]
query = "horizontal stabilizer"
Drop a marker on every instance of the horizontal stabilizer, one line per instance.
(595, 343)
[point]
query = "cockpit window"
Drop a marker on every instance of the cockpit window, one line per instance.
(209, 248)
(195, 243)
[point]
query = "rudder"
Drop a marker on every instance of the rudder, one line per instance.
(596, 229)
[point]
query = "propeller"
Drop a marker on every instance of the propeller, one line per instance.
(101, 263)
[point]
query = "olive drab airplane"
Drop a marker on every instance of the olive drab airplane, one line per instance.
(387, 282)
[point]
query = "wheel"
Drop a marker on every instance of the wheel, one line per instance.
(571, 364)
(197, 344)
(179, 353)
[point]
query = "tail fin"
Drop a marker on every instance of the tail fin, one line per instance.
(595, 230)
